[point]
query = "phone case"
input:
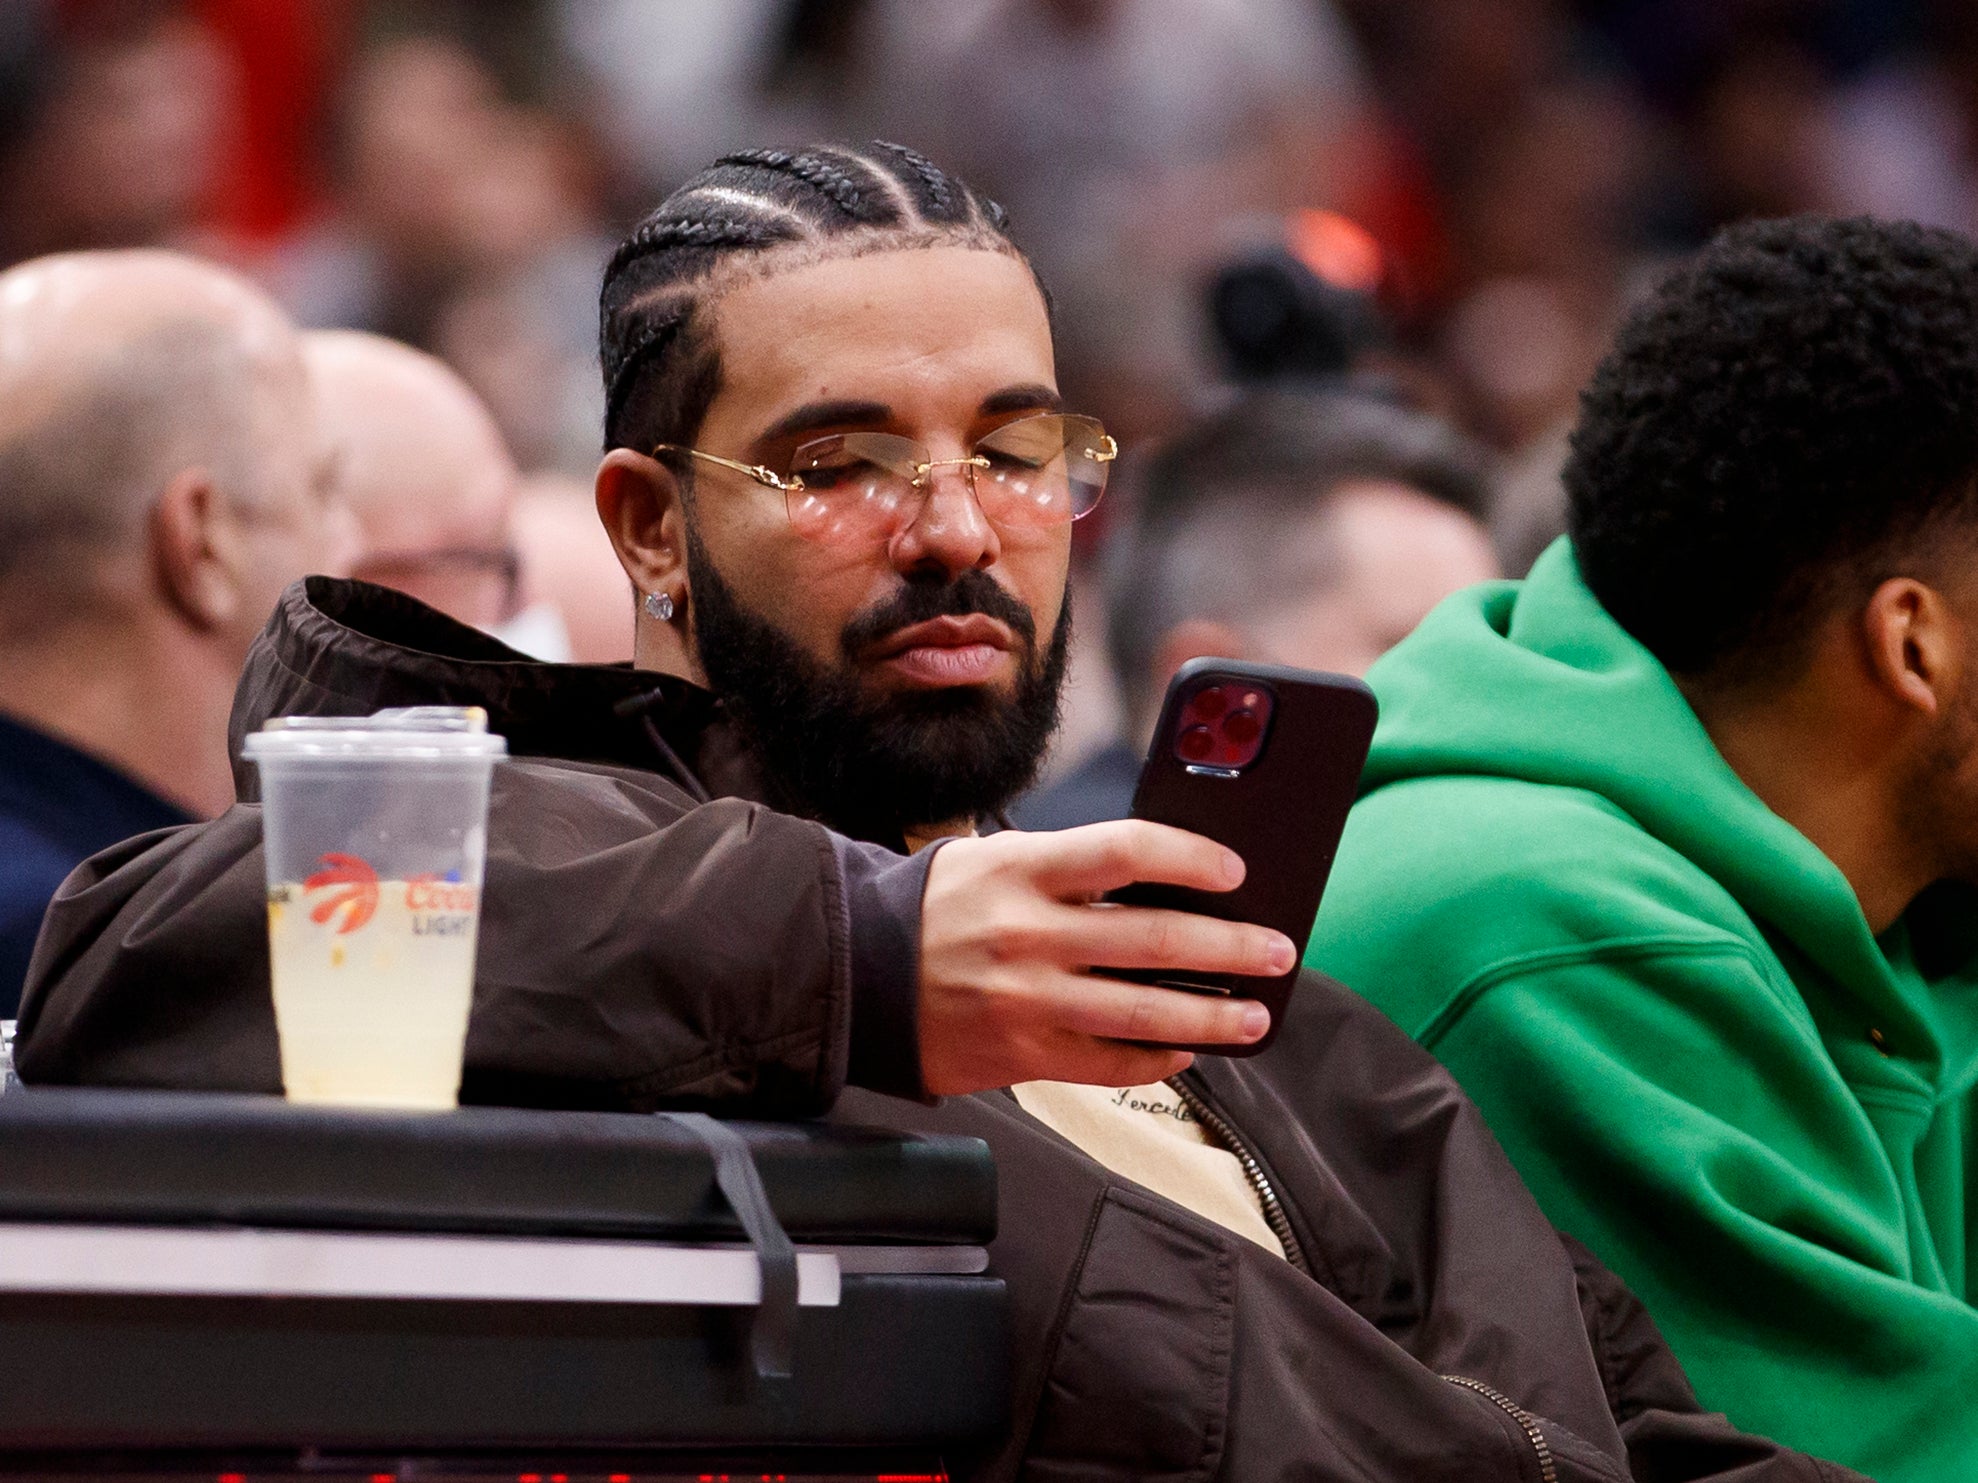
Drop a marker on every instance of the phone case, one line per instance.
(1282, 811)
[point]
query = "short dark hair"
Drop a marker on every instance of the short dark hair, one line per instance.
(1773, 429)
(660, 367)
(1205, 538)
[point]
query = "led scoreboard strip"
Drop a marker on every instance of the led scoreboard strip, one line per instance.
(856, 1467)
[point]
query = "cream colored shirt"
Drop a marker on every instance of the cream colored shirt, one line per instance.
(1147, 1134)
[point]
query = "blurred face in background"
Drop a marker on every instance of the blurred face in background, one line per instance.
(424, 472)
(1332, 590)
(441, 171)
(1397, 553)
(127, 144)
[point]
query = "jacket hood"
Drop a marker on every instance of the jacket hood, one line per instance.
(1535, 681)
(345, 648)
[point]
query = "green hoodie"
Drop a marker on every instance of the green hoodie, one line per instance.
(1673, 1014)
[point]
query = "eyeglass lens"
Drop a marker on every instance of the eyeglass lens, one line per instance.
(1039, 472)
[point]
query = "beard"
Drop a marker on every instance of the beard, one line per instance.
(875, 764)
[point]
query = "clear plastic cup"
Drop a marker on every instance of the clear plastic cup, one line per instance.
(375, 831)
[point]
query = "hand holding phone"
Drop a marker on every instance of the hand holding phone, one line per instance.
(1018, 977)
(1266, 761)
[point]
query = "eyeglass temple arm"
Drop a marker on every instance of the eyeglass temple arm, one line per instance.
(755, 471)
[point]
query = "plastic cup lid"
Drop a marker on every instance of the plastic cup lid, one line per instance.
(413, 733)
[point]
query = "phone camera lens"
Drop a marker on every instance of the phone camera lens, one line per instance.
(1241, 727)
(1210, 703)
(1196, 743)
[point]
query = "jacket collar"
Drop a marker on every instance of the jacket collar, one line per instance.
(345, 648)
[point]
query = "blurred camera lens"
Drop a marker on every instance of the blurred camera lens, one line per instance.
(1210, 703)
(1241, 727)
(1196, 743)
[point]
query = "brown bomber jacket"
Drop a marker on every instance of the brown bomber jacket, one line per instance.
(656, 935)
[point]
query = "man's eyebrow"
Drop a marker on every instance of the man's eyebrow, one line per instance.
(825, 414)
(1022, 399)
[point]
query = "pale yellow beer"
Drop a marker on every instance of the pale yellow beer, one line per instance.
(373, 1013)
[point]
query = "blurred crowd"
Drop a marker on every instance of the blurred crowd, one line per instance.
(1481, 183)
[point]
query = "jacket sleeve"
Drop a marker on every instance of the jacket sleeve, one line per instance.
(1667, 1432)
(635, 952)
(1673, 1111)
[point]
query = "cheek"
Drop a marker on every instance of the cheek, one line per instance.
(1038, 572)
(809, 591)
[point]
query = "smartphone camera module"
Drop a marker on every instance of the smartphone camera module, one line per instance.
(1222, 725)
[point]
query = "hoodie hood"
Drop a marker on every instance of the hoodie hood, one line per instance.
(1535, 681)
(345, 648)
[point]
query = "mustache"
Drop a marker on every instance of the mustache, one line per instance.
(970, 593)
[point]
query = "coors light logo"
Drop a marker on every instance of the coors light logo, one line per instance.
(439, 905)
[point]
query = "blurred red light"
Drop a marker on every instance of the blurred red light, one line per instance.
(1337, 249)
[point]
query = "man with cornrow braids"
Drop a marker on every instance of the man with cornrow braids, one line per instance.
(746, 874)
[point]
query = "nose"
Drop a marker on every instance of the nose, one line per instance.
(949, 532)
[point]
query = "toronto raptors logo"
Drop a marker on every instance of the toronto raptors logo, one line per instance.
(351, 887)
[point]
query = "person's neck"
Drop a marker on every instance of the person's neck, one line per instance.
(1829, 779)
(919, 839)
(146, 696)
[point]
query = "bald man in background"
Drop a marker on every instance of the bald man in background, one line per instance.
(426, 474)
(568, 565)
(161, 481)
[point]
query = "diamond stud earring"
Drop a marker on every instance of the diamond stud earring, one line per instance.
(659, 605)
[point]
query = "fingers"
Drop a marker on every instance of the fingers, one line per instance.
(1145, 937)
(1109, 1064)
(1082, 863)
(1111, 1009)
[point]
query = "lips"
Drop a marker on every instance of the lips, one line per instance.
(970, 650)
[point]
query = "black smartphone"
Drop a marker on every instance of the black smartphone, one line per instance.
(1265, 760)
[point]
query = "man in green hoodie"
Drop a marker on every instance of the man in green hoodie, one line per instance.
(1668, 851)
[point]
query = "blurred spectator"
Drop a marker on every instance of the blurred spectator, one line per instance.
(424, 470)
(1908, 125)
(1126, 137)
(523, 343)
(1314, 531)
(678, 80)
(161, 481)
(118, 133)
(464, 222)
(570, 568)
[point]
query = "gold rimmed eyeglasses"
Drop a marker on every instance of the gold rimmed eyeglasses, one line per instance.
(1032, 473)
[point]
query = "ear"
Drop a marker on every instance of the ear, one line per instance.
(1194, 638)
(195, 551)
(644, 512)
(1915, 644)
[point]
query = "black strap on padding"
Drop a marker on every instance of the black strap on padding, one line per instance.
(773, 1333)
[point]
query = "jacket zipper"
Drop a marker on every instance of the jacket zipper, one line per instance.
(1280, 1225)
(1274, 1215)
(1547, 1470)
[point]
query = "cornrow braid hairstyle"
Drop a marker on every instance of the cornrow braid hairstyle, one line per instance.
(654, 349)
